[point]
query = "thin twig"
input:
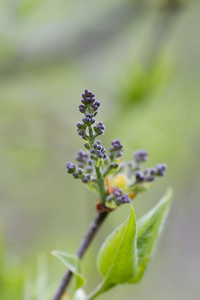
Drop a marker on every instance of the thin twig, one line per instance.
(94, 226)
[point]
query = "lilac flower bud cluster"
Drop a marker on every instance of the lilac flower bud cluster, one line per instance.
(148, 175)
(99, 128)
(81, 129)
(116, 150)
(89, 107)
(118, 197)
(82, 156)
(98, 151)
(84, 169)
(95, 166)
(159, 170)
(140, 156)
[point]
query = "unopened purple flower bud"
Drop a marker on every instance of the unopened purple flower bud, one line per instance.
(86, 120)
(68, 164)
(111, 155)
(125, 198)
(150, 179)
(80, 171)
(90, 162)
(140, 155)
(118, 193)
(80, 166)
(119, 153)
(139, 176)
(81, 133)
(114, 165)
(99, 128)
(152, 171)
(70, 167)
(82, 108)
(87, 146)
(78, 125)
(89, 169)
(89, 116)
(110, 198)
(160, 169)
(82, 156)
(85, 180)
(96, 105)
(75, 175)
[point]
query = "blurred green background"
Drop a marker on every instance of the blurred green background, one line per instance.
(141, 59)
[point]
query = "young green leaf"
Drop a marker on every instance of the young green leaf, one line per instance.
(117, 259)
(150, 227)
(73, 263)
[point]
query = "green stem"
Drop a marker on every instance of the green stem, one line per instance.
(100, 178)
(100, 183)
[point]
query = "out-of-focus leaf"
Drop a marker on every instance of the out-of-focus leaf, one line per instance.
(93, 187)
(142, 82)
(41, 280)
(73, 263)
(150, 227)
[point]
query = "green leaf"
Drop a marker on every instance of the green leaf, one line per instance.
(73, 263)
(93, 187)
(117, 258)
(150, 227)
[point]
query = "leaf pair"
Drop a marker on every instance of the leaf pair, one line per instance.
(127, 252)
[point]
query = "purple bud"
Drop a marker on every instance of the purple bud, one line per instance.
(78, 125)
(140, 155)
(98, 152)
(87, 146)
(82, 108)
(90, 162)
(81, 133)
(85, 180)
(139, 176)
(75, 174)
(89, 169)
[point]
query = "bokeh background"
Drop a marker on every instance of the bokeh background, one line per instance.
(141, 59)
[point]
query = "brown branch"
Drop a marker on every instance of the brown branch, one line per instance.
(94, 227)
